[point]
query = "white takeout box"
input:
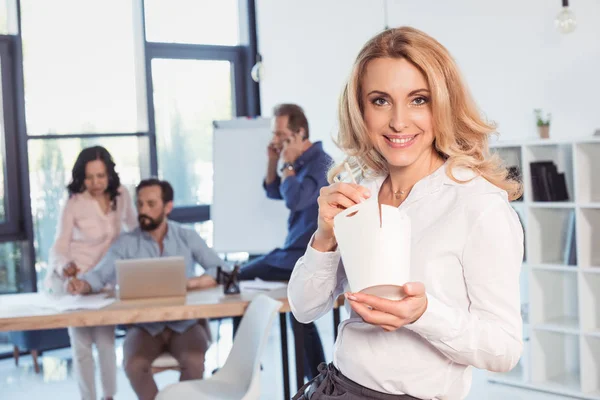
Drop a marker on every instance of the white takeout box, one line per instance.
(375, 252)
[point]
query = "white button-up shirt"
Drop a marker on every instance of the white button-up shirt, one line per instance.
(467, 248)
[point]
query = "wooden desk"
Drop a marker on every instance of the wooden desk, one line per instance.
(22, 312)
(19, 311)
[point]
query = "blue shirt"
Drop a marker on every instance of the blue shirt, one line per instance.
(179, 241)
(300, 193)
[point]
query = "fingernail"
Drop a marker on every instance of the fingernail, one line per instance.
(367, 194)
(349, 296)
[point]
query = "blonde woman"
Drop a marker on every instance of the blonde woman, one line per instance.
(97, 209)
(411, 129)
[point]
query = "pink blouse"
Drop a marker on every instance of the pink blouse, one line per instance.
(85, 232)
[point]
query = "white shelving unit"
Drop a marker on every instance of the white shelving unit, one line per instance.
(560, 303)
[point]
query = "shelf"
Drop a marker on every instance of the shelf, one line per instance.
(560, 278)
(555, 267)
(547, 234)
(587, 163)
(591, 270)
(511, 155)
(560, 154)
(595, 333)
(567, 325)
(590, 302)
(588, 236)
(543, 142)
(551, 204)
(590, 365)
(589, 205)
(550, 388)
(571, 382)
(554, 300)
(556, 361)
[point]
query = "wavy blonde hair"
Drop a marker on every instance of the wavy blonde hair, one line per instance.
(461, 134)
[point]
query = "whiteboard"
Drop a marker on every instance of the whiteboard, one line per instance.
(244, 219)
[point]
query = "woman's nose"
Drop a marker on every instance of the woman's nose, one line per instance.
(398, 120)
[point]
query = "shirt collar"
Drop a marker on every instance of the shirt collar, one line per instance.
(433, 182)
(311, 153)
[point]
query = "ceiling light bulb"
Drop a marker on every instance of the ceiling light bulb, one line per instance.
(565, 20)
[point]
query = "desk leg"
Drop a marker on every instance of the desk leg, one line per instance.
(336, 322)
(299, 351)
(284, 355)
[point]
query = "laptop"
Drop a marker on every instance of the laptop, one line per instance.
(144, 278)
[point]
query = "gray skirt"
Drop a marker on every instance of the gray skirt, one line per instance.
(331, 384)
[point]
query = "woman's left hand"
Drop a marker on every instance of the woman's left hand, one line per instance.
(391, 314)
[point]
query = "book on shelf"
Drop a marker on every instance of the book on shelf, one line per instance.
(570, 249)
(547, 183)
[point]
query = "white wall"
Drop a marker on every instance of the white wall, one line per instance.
(510, 53)
(308, 48)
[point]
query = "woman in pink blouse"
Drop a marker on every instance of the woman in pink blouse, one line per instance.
(97, 209)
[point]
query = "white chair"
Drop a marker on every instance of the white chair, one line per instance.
(239, 379)
(164, 362)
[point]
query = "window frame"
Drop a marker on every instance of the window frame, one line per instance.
(11, 227)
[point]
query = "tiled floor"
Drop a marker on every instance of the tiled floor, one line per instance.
(55, 381)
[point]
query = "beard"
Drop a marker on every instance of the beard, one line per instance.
(149, 224)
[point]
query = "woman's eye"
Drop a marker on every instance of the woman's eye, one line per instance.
(380, 101)
(420, 101)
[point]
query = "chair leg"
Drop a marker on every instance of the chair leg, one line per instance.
(36, 365)
(16, 354)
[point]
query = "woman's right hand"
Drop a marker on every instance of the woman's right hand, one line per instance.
(78, 286)
(334, 199)
(70, 270)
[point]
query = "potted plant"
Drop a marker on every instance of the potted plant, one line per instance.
(543, 124)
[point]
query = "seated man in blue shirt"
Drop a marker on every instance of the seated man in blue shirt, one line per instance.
(303, 174)
(188, 340)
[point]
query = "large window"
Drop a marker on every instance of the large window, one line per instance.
(188, 96)
(3, 17)
(8, 17)
(80, 67)
(143, 78)
(193, 21)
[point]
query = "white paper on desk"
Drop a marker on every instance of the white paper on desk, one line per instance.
(375, 253)
(259, 284)
(86, 302)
